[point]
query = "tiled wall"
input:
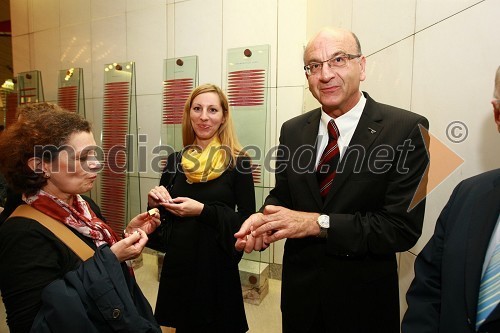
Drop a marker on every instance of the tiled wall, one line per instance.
(435, 57)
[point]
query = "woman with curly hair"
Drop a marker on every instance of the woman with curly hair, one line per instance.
(49, 157)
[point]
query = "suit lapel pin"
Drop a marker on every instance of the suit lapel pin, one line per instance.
(372, 130)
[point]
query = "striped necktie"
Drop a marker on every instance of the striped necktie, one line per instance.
(326, 170)
(489, 290)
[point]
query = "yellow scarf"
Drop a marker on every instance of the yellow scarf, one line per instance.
(202, 166)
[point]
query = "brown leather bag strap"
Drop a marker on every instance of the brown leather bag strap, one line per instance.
(61, 231)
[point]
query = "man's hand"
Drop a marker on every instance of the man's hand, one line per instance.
(279, 222)
(245, 240)
(275, 223)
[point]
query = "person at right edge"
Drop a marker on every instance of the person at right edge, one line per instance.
(456, 288)
(343, 231)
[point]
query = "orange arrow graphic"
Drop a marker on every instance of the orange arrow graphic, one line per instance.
(442, 162)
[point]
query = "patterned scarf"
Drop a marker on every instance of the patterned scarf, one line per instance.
(202, 166)
(79, 216)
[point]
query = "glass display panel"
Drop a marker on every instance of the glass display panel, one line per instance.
(247, 91)
(179, 78)
(30, 87)
(70, 93)
(118, 198)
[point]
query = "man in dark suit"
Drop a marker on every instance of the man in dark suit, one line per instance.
(445, 293)
(339, 264)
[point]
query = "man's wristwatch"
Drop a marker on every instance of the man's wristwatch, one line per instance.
(324, 224)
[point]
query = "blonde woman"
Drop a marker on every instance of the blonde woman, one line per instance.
(205, 193)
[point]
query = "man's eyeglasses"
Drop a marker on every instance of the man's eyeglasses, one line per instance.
(337, 61)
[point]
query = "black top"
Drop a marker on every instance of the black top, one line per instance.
(12, 200)
(3, 190)
(31, 257)
(199, 285)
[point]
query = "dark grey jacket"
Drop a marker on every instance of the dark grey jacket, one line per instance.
(98, 297)
(443, 295)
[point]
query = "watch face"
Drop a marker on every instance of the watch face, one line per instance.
(324, 221)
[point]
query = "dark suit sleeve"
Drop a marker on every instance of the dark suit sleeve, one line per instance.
(369, 213)
(379, 220)
(280, 195)
(424, 294)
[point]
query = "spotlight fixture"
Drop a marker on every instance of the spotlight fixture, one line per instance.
(69, 74)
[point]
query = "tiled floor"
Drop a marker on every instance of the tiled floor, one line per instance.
(263, 318)
(266, 317)
(3, 323)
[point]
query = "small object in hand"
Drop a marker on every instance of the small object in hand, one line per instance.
(153, 211)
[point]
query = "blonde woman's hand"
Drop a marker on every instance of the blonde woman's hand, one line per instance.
(147, 222)
(183, 206)
(130, 247)
(158, 195)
